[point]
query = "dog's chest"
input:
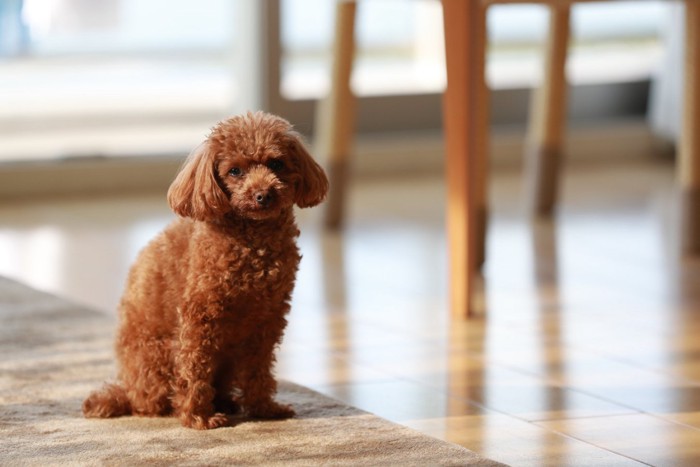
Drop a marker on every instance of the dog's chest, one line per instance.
(260, 268)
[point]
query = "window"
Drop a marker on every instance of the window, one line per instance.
(112, 77)
(400, 49)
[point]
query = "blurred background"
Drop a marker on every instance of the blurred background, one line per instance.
(106, 97)
(123, 77)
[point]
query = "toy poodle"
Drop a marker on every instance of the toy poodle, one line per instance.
(205, 302)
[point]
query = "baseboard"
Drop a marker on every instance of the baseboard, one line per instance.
(379, 155)
(88, 176)
(423, 152)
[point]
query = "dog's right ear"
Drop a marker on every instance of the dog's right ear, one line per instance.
(195, 192)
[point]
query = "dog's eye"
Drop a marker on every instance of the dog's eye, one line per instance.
(236, 172)
(275, 165)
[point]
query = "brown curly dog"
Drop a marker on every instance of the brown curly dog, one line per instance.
(205, 302)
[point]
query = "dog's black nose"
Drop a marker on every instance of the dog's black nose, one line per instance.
(263, 198)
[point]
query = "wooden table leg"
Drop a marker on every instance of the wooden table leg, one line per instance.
(548, 118)
(689, 147)
(335, 116)
(464, 133)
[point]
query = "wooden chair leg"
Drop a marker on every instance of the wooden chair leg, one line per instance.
(335, 116)
(689, 147)
(464, 111)
(483, 141)
(548, 119)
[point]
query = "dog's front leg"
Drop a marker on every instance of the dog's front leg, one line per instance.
(194, 365)
(258, 394)
(258, 384)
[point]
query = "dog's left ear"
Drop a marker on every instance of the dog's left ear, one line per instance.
(195, 192)
(313, 184)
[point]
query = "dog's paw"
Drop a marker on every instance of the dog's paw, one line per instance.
(271, 410)
(199, 422)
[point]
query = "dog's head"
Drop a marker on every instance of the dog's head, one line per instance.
(254, 166)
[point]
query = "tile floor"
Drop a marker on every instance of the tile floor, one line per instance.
(588, 355)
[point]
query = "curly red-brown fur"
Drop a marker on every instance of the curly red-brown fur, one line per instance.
(205, 302)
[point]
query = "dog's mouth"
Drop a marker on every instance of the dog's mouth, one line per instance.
(260, 213)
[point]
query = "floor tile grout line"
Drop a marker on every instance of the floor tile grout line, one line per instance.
(566, 435)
